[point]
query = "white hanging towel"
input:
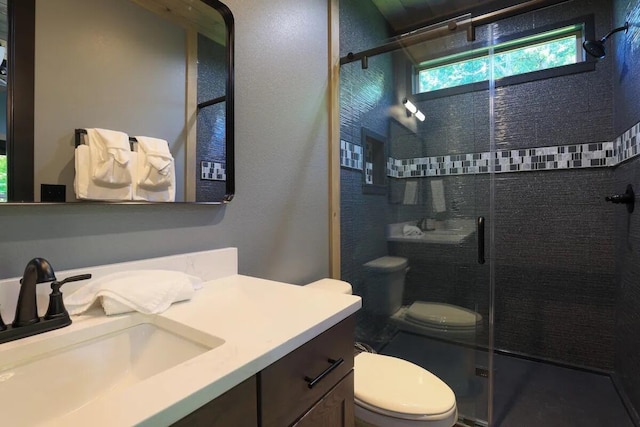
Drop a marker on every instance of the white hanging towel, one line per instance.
(145, 291)
(155, 179)
(438, 204)
(110, 157)
(87, 189)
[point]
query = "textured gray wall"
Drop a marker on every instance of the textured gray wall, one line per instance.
(279, 217)
(555, 291)
(625, 55)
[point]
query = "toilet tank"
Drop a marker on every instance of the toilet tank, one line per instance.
(384, 285)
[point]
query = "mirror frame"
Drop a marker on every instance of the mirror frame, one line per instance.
(21, 100)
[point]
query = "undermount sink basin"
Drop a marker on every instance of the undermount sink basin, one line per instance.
(47, 379)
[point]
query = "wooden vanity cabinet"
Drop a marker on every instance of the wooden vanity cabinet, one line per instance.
(237, 407)
(335, 409)
(310, 387)
(284, 392)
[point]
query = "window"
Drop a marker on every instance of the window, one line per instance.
(3, 178)
(543, 51)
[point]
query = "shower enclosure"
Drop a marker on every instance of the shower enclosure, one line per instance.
(471, 149)
(420, 191)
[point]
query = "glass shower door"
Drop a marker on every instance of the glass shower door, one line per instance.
(416, 191)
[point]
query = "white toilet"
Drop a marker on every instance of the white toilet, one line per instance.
(391, 392)
(384, 283)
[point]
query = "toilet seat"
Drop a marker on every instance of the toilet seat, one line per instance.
(391, 388)
(442, 315)
(438, 319)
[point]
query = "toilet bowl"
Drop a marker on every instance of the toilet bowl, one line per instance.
(391, 392)
(384, 288)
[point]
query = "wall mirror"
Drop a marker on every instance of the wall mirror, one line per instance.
(154, 68)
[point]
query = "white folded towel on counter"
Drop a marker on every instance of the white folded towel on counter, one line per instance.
(155, 171)
(411, 230)
(84, 186)
(145, 291)
(110, 157)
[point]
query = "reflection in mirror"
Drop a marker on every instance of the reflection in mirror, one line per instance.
(4, 36)
(155, 68)
(405, 143)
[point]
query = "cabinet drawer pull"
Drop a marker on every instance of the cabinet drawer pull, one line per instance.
(334, 364)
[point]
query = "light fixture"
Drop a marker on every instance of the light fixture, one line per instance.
(412, 109)
(409, 106)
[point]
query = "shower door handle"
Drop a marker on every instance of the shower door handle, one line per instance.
(480, 227)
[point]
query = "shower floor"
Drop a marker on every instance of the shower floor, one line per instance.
(526, 393)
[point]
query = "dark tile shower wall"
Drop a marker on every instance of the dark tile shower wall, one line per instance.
(555, 288)
(211, 134)
(625, 56)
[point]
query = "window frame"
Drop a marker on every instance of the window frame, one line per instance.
(588, 63)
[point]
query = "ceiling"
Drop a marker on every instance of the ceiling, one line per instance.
(407, 15)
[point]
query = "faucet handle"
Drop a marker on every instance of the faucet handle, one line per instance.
(56, 307)
(70, 279)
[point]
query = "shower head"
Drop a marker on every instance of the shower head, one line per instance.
(596, 47)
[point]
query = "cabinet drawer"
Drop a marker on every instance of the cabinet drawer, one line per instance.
(237, 407)
(336, 409)
(285, 385)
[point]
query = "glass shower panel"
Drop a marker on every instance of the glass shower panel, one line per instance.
(412, 192)
(554, 147)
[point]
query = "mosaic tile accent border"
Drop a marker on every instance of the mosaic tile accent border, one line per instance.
(628, 144)
(213, 171)
(531, 159)
(576, 156)
(350, 155)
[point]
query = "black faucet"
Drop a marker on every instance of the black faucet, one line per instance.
(27, 322)
(38, 270)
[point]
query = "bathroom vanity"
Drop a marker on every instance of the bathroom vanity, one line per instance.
(284, 392)
(243, 352)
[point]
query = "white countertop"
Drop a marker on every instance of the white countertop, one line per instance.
(260, 321)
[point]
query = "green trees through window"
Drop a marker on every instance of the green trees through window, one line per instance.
(510, 59)
(3, 178)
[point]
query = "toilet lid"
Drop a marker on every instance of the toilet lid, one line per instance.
(400, 387)
(440, 314)
(386, 264)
